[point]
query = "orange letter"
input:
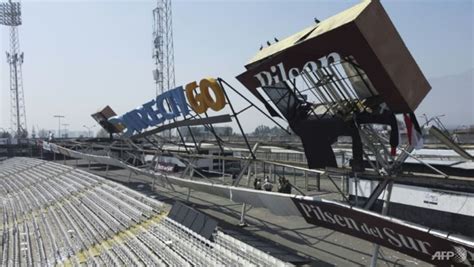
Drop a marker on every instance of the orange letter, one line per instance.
(198, 104)
(219, 102)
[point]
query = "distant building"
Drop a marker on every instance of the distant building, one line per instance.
(205, 132)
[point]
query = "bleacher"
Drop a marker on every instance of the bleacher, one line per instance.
(53, 214)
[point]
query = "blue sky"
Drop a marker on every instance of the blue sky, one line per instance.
(83, 55)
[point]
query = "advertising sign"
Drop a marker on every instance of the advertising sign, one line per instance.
(165, 166)
(102, 117)
(363, 32)
(170, 105)
(413, 241)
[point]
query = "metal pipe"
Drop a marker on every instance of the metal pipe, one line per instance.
(386, 203)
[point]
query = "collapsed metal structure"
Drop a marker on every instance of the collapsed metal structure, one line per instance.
(326, 87)
(309, 207)
(323, 86)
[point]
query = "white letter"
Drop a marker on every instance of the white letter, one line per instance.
(351, 223)
(328, 216)
(282, 71)
(333, 57)
(339, 220)
(293, 73)
(422, 246)
(306, 208)
(261, 79)
(408, 242)
(311, 66)
(392, 239)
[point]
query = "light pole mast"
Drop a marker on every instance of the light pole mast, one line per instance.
(59, 124)
(163, 50)
(65, 129)
(10, 15)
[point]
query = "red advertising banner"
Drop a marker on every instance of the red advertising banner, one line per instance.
(364, 32)
(417, 242)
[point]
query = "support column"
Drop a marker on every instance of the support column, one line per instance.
(242, 222)
(191, 173)
(306, 180)
(386, 203)
(129, 176)
(294, 177)
(356, 184)
(318, 181)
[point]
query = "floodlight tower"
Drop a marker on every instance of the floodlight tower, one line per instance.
(163, 53)
(10, 15)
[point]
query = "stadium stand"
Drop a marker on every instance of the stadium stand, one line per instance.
(53, 214)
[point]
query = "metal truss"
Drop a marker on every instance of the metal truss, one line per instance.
(10, 15)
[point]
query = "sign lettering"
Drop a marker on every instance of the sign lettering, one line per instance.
(279, 73)
(170, 105)
(412, 241)
(202, 101)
